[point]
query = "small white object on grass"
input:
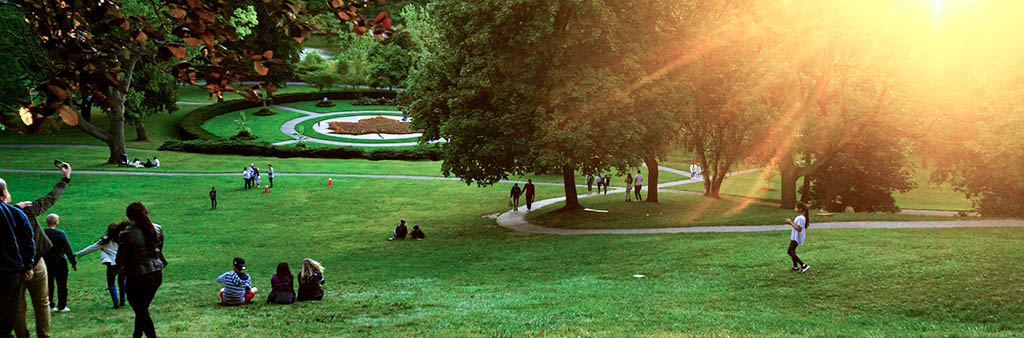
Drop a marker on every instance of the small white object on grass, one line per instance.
(638, 276)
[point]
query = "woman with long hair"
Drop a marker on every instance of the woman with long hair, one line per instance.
(141, 256)
(282, 289)
(310, 280)
(107, 245)
(797, 235)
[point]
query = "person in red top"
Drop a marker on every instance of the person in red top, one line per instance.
(529, 192)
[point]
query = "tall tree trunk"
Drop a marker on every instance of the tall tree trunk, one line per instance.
(85, 107)
(805, 191)
(569, 179)
(115, 114)
(140, 132)
(715, 186)
(652, 178)
(787, 177)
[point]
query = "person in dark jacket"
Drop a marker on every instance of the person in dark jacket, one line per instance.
(400, 231)
(310, 280)
(417, 233)
(514, 196)
(56, 264)
(282, 288)
(213, 198)
(140, 255)
(37, 287)
(17, 252)
(529, 191)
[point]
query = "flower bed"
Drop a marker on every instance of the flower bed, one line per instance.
(371, 126)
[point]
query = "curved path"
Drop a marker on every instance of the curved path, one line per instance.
(516, 220)
(288, 128)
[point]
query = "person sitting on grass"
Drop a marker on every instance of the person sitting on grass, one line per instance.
(238, 288)
(417, 233)
(282, 290)
(136, 163)
(149, 163)
(400, 231)
(156, 162)
(310, 280)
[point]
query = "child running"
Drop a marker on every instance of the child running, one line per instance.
(107, 245)
(797, 235)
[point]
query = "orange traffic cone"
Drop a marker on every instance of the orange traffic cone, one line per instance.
(328, 181)
(266, 189)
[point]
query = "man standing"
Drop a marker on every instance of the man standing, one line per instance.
(213, 198)
(246, 175)
(255, 175)
(590, 183)
(600, 182)
(638, 182)
(17, 250)
(528, 191)
(56, 265)
(37, 286)
(270, 174)
(607, 182)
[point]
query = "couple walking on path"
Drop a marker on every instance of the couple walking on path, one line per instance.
(527, 189)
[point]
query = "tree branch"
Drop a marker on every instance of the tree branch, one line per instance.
(92, 130)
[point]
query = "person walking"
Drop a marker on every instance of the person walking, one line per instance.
(600, 182)
(37, 286)
(590, 183)
(693, 170)
(57, 265)
(629, 187)
(797, 235)
(529, 191)
(107, 246)
(638, 183)
(607, 182)
(255, 172)
(213, 198)
(141, 256)
(17, 252)
(514, 196)
(270, 175)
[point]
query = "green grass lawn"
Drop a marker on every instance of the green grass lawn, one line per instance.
(686, 210)
(471, 277)
(925, 196)
(339, 105)
(266, 128)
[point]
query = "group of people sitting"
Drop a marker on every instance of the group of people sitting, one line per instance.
(136, 163)
(238, 289)
(401, 231)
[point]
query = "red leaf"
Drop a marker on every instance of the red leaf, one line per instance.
(384, 24)
(164, 53)
(209, 17)
(207, 40)
(70, 116)
(178, 13)
(138, 36)
(336, 3)
(359, 30)
(195, 3)
(343, 15)
(153, 34)
(380, 18)
(57, 93)
(269, 54)
(270, 88)
(177, 50)
(260, 68)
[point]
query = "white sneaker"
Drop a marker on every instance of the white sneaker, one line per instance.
(53, 309)
(805, 268)
(66, 309)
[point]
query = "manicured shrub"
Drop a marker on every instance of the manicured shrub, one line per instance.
(249, 148)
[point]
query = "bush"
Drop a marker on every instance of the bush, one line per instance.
(247, 148)
(370, 101)
(191, 124)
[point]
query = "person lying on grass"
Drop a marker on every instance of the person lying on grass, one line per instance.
(238, 288)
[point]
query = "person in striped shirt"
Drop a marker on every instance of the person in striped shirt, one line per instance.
(238, 288)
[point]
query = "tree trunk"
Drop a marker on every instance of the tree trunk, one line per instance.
(85, 107)
(715, 186)
(652, 178)
(805, 191)
(787, 176)
(569, 179)
(140, 132)
(116, 130)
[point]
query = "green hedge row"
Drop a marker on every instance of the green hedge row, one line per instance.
(191, 124)
(249, 148)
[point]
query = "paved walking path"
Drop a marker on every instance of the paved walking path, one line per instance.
(516, 220)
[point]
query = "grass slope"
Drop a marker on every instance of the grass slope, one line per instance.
(686, 210)
(266, 128)
(470, 277)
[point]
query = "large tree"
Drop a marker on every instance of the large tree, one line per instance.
(531, 86)
(95, 47)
